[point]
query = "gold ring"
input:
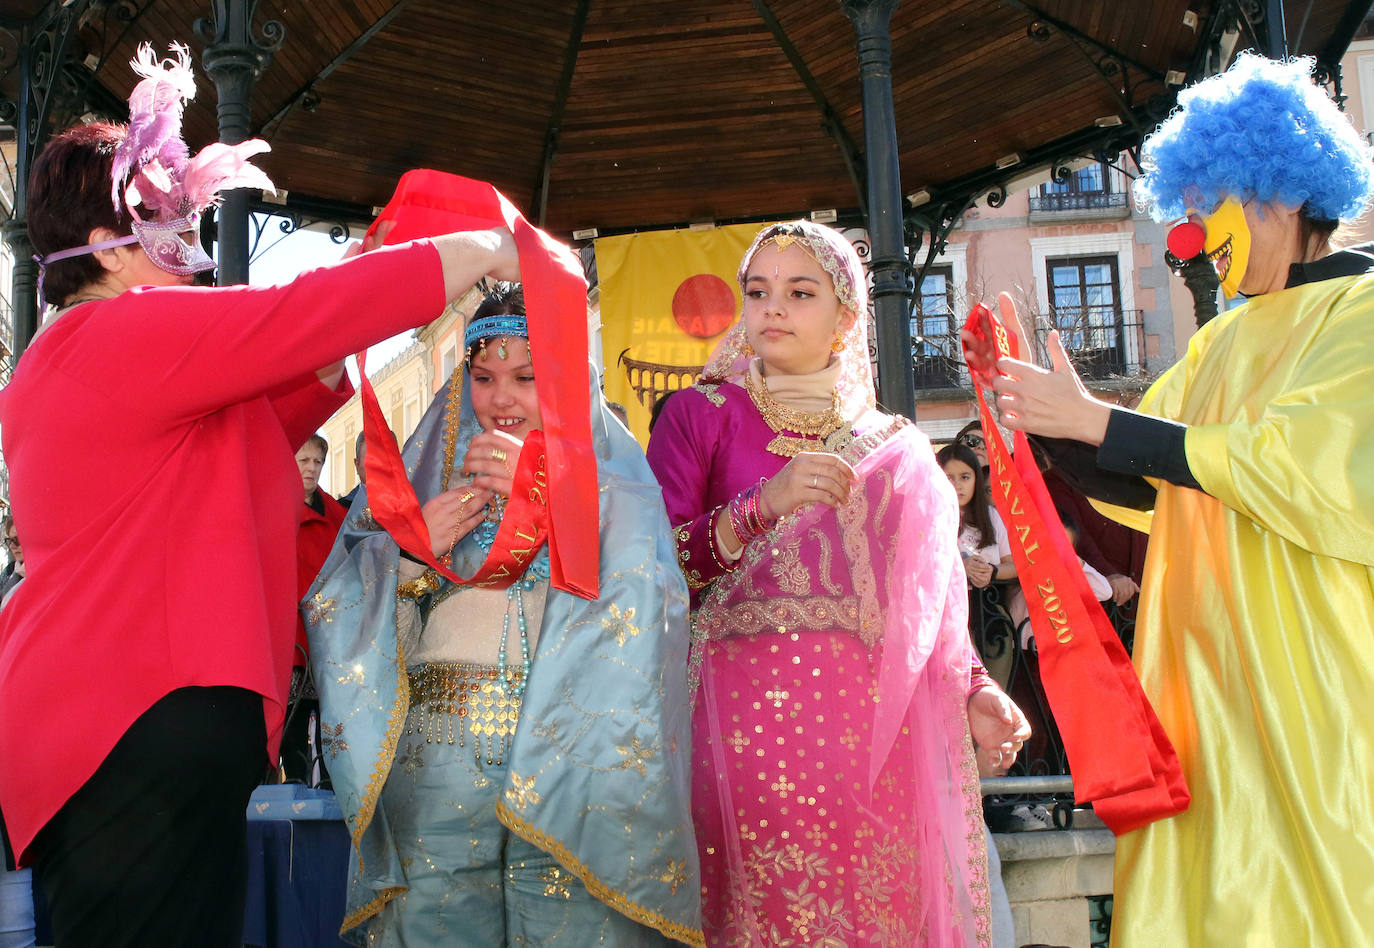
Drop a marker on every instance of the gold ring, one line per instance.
(814, 479)
(498, 454)
(465, 497)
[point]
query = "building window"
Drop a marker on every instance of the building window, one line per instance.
(1085, 306)
(934, 335)
(1090, 187)
(450, 361)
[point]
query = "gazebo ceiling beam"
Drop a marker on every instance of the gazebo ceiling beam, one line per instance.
(1344, 34)
(560, 104)
(830, 119)
(308, 96)
(1068, 29)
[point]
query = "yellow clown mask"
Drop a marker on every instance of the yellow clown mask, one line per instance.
(1227, 244)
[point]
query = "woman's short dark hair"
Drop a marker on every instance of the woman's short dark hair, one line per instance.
(503, 299)
(69, 196)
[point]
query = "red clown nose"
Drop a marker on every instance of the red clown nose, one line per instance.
(1185, 241)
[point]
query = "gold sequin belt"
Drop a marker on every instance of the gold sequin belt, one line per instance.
(450, 701)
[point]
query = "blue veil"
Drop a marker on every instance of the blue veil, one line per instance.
(599, 771)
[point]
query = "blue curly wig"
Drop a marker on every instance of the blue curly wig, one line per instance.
(1263, 130)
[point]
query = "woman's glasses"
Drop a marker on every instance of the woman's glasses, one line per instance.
(12, 542)
(972, 440)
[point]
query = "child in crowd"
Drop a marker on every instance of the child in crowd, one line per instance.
(983, 542)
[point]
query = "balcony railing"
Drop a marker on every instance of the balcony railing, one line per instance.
(936, 358)
(1103, 341)
(1076, 201)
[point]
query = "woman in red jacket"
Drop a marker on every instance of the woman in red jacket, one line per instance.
(149, 432)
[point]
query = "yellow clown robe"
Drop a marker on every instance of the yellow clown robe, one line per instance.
(1256, 637)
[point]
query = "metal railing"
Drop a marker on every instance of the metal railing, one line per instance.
(1103, 341)
(1076, 201)
(1041, 774)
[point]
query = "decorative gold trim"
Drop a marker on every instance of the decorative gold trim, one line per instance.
(386, 753)
(452, 418)
(604, 893)
(372, 908)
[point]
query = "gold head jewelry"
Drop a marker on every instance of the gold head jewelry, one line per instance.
(782, 240)
(501, 349)
(813, 427)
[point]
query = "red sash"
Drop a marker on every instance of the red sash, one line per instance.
(566, 509)
(1121, 758)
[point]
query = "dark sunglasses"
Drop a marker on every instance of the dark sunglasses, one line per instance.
(972, 440)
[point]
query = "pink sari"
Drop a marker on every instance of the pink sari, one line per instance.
(834, 790)
(835, 794)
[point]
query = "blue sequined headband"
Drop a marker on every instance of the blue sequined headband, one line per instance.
(489, 327)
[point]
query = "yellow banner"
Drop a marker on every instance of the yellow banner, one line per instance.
(666, 299)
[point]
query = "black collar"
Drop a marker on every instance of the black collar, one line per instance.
(1352, 261)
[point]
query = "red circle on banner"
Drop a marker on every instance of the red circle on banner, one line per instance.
(703, 305)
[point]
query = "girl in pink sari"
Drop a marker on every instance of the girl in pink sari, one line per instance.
(835, 793)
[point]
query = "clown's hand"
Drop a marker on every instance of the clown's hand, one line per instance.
(997, 726)
(1053, 403)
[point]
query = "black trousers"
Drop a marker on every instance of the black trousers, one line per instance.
(151, 849)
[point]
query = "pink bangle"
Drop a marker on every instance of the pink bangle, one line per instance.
(746, 514)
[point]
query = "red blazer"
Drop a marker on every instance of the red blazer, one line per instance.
(122, 418)
(314, 539)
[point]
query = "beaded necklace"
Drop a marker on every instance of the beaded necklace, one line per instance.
(537, 572)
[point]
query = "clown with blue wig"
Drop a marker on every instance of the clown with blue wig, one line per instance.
(1251, 464)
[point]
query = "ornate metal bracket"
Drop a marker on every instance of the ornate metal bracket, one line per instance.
(288, 222)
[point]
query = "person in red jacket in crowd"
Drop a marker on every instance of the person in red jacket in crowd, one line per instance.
(321, 518)
(139, 705)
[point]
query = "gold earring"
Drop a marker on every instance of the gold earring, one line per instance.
(748, 349)
(837, 345)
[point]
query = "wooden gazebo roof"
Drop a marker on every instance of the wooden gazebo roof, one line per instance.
(651, 113)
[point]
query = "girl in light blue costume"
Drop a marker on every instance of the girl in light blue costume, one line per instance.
(512, 764)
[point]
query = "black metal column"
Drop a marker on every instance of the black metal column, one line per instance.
(234, 60)
(1277, 28)
(24, 302)
(889, 266)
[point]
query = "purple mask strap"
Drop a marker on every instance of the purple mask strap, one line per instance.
(76, 252)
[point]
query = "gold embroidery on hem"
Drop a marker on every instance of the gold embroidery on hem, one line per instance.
(763, 616)
(600, 890)
(372, 908)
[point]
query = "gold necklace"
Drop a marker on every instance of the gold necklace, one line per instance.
(812, 426)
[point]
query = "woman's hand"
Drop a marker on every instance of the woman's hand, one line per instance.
(492, 456)
(809, 478)
(505, 257)
(1053, 402)
(998, 729)
(370, 241)
(452, 515)
(979, 571)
